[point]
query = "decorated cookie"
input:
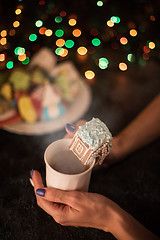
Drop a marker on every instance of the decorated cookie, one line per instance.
(26, 109)
(92, 141)
(20, 79)
(6, 91)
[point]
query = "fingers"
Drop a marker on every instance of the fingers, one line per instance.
(37, 180)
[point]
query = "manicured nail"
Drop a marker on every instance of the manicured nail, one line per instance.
(31, 181)
(40, 192)
(70, 127)
(31, 173)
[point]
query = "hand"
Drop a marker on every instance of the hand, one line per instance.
(73, 208)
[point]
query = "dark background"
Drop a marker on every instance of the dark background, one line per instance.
(117, 97)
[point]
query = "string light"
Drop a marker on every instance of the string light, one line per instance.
(48, 32)
(123, 66)
(16, 24)
(152, 45)
(3, 41)
(82, 50)
(60, 42)
(72, 22)
(18, 11)
(103, 63)
(115, 19)
(38, 23)
(42, 30)
(131, 57)
(9, 65)
(3, 33)
(96, 42)
(69, 43)
(77, 32)
(123, 40)
(89, 74)
(99, 3)
(133, 32)
(58, 19)
(59, 33)
(110, 23)
(2, 57)
(33, 37)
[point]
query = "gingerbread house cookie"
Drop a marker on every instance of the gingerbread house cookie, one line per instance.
(91, 141)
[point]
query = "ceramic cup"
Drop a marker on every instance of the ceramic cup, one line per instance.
(63, 181)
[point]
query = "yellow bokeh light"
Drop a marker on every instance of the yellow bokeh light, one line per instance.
(3, 41)
(76, 32)
(48, 32)
(3, 33)
(82, 50)
(63, 52)
(60, 42)
(110, 23)
(18, 11)
(133, 32)
(2, 57)
(123, 66)
(16, 24)
(22, 57)
(123, 40)
(89, 74)
(152, 45)
(72, 22)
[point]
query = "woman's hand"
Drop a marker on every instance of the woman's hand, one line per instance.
(74, 208)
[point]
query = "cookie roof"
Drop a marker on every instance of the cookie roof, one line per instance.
(95, 133)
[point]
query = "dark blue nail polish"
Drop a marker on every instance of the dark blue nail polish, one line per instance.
(40, 192)
(31, 173)
(70, 127)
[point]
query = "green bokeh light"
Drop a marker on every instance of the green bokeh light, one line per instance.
(58, 19)
(115, 19)
(59, 33)
(19, 50)
(96, 42)
(33, 37)
(142, 62)
(103, 63)
(9, 65)
(26, 61)
(99, 3)
(69, 43)
(38, 23)
(131, 57)
(57, 51)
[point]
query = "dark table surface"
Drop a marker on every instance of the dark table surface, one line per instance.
(134, 183)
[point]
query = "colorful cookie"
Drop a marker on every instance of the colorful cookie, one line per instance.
(26, 109)
(20, 79)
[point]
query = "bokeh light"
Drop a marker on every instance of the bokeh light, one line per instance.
(19, 50)
(60, 42)
(63, 52)
(131, 57)
(77, 32)
(133, 32)
(3, 41)
(38, 23)
(115, 19)
(58, 19)
(82, 50)
(2, 57)
(33, 37)
(3, 33)
(123, 66)
(96, 42)
(9, 65)
(72, 22)
(89, 74)
(26, 61)
(18, 11)
(59, 33)
(110, 23)
(103, 63)
(123, 40)
(16, 24)
(48, 32)
(152, 45)
(69, 43)
(22, 57)
(12, 32)
(42, 30)
(146, 49)
(99, 3)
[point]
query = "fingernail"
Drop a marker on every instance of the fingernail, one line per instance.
(40, 192)
(70, 127)
(31, 173)
(31, 181)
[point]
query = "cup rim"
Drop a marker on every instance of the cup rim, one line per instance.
(47, 164)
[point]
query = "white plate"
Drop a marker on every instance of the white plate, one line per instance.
(76, 110)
